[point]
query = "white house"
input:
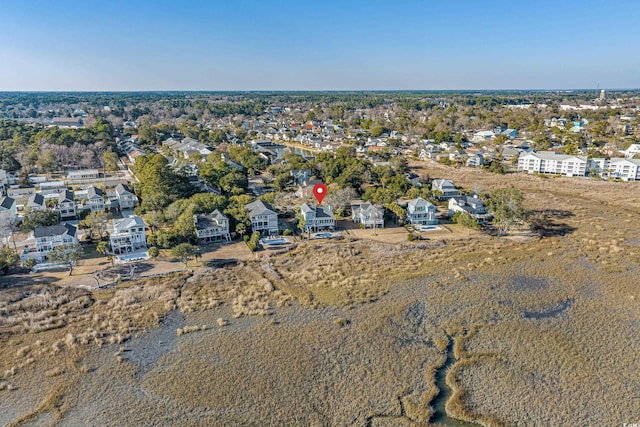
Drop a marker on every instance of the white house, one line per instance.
(421, 212)
(632, 151)
(49, 238)
(263, 217)
(36, 201)
(483, 135)
(126, 198)
(472, 205)
(128, 235)
(66, 205)
(8, 210)
(212, 227)
(317, 218)
(95, 198)
(548, 162)
(367, 214)
(445, 187)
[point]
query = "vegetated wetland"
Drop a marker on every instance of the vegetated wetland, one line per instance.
(537, 331)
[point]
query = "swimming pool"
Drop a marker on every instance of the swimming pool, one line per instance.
(276, 241)
(138, 256)
(323, 236)
(427, 227)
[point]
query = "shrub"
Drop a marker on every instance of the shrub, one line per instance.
(287, 232)
(410, 237)
(154, 252)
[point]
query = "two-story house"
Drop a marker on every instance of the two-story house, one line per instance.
(212, 227)
(445, 189)
(367, 214)
(8, 211)
(66, 205)
(317, 218)
(263, 217)
(472, 205)
(49, 238)
(421, 212)
(36, 201)
(95, 199)
(128, 235)
(126, 198)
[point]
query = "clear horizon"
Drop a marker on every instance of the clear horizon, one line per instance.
(247, 45)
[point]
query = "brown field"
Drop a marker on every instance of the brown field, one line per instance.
(358, 332)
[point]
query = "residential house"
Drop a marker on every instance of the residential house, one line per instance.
(21, 195)
(445, 188)
(66, 205)
(367, 214)
(317, 218)
(263, 217)
(632, 151)
(548, 162)
(36, 202)
(300, 175)
(212, 227)
(305, 188)
(128, 235)
(483, 135)
(421, 212)
(95, 199)
(67, 122)
(8, 210)
(475, 160)
(126, 198)
(49, 238)
(472, 205)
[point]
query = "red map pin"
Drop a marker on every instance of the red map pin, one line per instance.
(319, 191)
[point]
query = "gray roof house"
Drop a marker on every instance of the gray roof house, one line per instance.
(367, 214)
(49, 238)
(95, 198)
(212, 227)
(263, 217)
(472, 205)
(421, 212)
(126, 198)
(8, 210)
(128, 235)
(66, 205)
(36, 202)
(317, 218)
(445, 187)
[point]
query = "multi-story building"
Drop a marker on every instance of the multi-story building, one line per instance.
(49, 238)
(421, 212)
(620, 168)
(126, 198)
(367, 214)
(212, 227)
(95, 199)
(66, 205)
(317, 218)
(128, 235)
(548, 162)
(472, 205)
(263, 217)
(8, 211)
(36, 201)
(445, 188)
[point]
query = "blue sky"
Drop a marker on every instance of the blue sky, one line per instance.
(319, 45)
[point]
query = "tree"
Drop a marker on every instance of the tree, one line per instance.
(185, 252)
(30, 263)
(154, 220)
(110, 161)
(467, 221)
(102, 248)
(95, 223)
(8, 258)
(39, 218)
(506, 206)
(153, 252)
(67, 254)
